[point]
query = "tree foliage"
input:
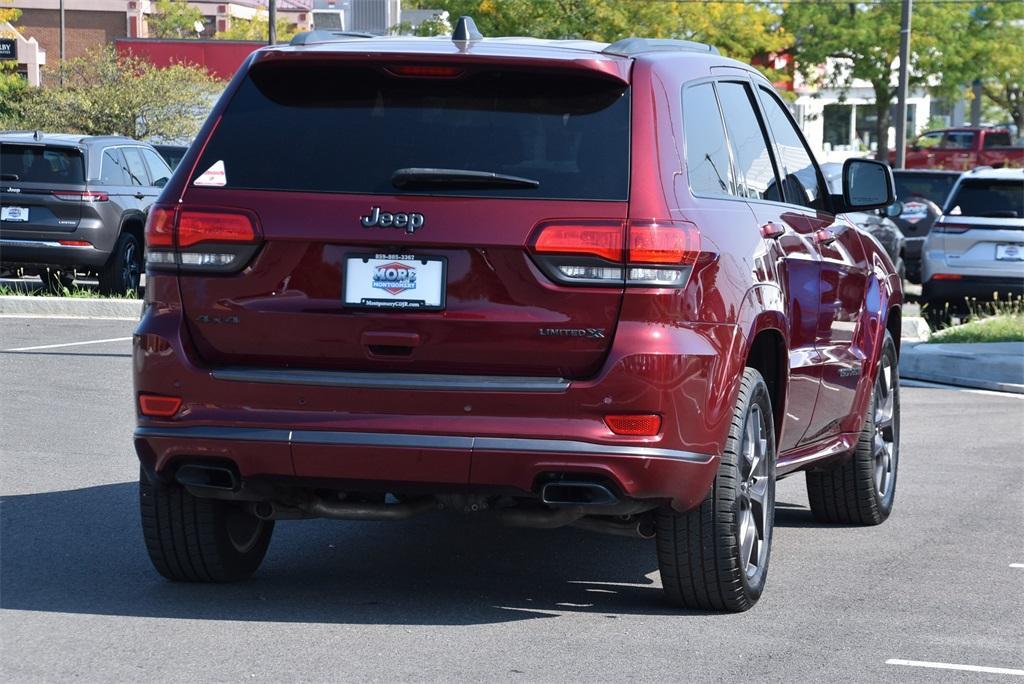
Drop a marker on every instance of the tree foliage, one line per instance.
(173, 19)
(11, 83)
(258, 28)
(742, 31)
(105, 93)
(995, 55)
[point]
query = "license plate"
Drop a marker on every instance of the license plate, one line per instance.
(14, 214)
(395, 281)
(1010, 252)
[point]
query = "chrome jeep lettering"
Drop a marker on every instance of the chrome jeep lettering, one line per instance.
(410, 222)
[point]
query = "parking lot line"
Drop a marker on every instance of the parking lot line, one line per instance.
(907, 382)
(68, 344)
(1017, 565)
(956, 666)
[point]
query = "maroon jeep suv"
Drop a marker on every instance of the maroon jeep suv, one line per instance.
(550, 282)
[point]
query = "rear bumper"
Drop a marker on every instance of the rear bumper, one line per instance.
(975, 287)
(442, 461)
(16, 252)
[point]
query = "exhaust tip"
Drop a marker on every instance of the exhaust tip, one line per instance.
(567, 493)
(208, 477)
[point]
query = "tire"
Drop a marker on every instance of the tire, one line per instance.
(703, 554)
(200, 540)
(57, 282)
(862, 490)
(123, 270)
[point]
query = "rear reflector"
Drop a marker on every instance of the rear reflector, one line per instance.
(73, 196)
(157, 406)
(602, 240)
(643, 425)
(947, 276)
(75, 243)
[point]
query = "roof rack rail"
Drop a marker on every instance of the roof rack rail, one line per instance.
(324, 36)
(628, 47)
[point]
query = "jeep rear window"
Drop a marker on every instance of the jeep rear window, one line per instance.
(331, 128)
(989, 198)
(932, 186)
(41, 164)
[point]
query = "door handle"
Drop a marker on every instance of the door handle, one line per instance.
(140, 195)
(772, 230)
(824, 236)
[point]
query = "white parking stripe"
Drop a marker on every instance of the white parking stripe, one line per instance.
(69, 344)
(1017, 565)
(955, 666)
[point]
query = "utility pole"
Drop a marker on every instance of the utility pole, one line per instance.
(60, 71)
(272, 16)
(901, 93)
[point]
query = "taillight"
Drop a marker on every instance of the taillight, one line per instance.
(200, 239)
(641, 253)
(954, 228)
(425, 71)
(75, 196)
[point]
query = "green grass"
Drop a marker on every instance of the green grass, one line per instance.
(1001, 328)
(72, 292)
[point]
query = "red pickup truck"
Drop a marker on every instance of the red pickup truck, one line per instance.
(961, 149)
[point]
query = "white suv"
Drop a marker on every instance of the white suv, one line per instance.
(975, 250)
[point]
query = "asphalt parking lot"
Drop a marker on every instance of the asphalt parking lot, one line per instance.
(450, 598)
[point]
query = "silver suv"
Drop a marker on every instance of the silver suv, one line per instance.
(76, 204)
(975, 250)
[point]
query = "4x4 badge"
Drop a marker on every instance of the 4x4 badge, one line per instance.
(411, 222)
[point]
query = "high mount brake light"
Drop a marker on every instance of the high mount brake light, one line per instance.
(425, 71)
(200, 239)
(640, 253)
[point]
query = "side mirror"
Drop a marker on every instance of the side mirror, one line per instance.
(160, 182)
(895, 209)
(867, 184)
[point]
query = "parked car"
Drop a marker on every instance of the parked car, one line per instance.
(565, 282)
(73, 203)
(963, 148)
(976, 249)
(879, 223)
(922, 194)
(172, 154)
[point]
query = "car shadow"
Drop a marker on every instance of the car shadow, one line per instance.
(81, 551)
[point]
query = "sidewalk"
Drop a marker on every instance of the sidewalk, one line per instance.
(995, 365)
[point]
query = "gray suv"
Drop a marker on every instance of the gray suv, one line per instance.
(76, 204)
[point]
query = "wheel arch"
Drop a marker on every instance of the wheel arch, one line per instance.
(764, 345)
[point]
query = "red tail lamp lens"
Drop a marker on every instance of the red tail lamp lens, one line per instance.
(75, 196)
(160, 227)
(424, 71)
(214, 226)
(599, 240)
(638, 425)
(662, 244)
(157, 406)
(947, 276)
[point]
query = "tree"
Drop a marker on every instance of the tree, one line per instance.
(105, 93)
(742, 31)
(257, 28)
(12, 85)
(173, 19)
(996, 56)
(861, 41)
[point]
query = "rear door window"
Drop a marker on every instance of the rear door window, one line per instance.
(136, 167)
(802, 184)
(755, 173)
(707, 155)
(41, 164)
(997, 139)
(959, 140)
(333, 128)
(112, 170)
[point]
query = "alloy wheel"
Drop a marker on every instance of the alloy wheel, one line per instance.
(884, 445)
(753, 494)
(130, 271)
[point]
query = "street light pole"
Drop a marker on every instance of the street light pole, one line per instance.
(901, 94)
(272, 17)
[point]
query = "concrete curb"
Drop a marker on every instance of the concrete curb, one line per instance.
(70, 307)
(997, 366)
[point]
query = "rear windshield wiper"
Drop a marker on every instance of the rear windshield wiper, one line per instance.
(457, 178)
